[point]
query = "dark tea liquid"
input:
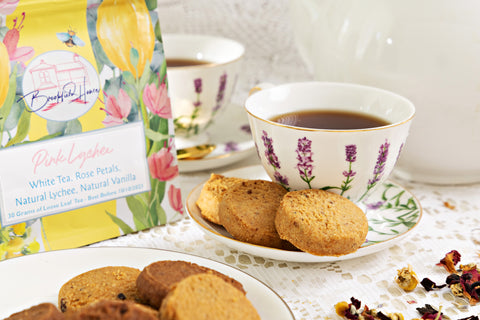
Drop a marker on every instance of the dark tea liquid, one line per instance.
(174, 62)
(330, 119)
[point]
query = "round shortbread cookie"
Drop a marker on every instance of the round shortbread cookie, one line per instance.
(247, 211)
(158, 278)
(321, 222)
(112, 283)
(206, 297)
(211, 195)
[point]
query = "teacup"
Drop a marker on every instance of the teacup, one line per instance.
(350, 162)
(202, 71)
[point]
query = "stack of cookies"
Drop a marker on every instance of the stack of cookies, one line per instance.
(165, 290)
(264, 213)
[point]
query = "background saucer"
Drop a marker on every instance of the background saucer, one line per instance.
(231, 133)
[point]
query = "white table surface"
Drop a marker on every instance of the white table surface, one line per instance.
(451, 214)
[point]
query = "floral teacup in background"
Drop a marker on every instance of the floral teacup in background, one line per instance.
(350, 162)
(202, 72)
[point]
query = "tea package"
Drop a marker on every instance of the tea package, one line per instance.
(86, 131)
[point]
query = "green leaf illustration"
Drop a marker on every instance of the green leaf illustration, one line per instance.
(134, 57)
(14, 116)
(163, 71)
(56, 126)
(128, 77)
(151, 4)
(145, 75)
(73, 127)
(22, 129)
(139, 211)
(155, 136)
(7, 105)
(120, 223)
(158, 31)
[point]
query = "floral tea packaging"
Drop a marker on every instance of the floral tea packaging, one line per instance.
(86, 130)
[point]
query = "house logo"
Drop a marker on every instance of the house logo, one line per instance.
(60, 85)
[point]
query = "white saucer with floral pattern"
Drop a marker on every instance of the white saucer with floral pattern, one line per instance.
(392, 213)
(232, 136)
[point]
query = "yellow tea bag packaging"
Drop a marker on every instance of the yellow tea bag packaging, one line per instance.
(86, 131)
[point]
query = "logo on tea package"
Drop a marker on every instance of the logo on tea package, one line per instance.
(60, 85)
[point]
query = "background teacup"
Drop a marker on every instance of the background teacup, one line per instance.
(202, 71)
(350, 162)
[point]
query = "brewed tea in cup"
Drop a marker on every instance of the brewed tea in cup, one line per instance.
(345, 138)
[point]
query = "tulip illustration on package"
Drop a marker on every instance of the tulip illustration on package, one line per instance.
(86, 131)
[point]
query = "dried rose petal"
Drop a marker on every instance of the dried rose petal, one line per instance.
(356, 303)
(429, 312)
(429, 285)
(470, 281)
(450, 260)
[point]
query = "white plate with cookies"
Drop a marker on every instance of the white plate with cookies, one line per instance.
(34, 279)
(391, 210)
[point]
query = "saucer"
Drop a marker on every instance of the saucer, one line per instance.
(231, 134)
(392, 212)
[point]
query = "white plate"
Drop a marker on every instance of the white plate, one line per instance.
(37, 278)
(231, 133)
(391, 210)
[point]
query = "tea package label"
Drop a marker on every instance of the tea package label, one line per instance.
(86, 130)
(66, 174)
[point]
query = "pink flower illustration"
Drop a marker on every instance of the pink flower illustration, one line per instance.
(20, 54)
(162, 165)
(8, 6)
(117, 110)
(175, 199)
(157, 100)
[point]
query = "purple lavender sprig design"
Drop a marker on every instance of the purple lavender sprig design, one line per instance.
(273, 160)
(221, 92)
(305, 161)
(350, 158)
(379, 167)
(220, 97)
(231, 146)
(190, 128)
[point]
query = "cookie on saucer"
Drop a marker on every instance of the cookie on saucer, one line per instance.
(247, 211)
(212, 193)
(321, 222)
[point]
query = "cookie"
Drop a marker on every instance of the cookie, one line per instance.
(113, 310)
(211, 195)
(321, 222)
(158, 278)
(42, 311)
(247, 211)
(206, 297)
(113, 283)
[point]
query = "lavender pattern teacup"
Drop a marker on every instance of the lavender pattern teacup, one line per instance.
(351, 163)
(200, 92)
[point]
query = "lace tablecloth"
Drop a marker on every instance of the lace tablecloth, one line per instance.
(451, 214)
